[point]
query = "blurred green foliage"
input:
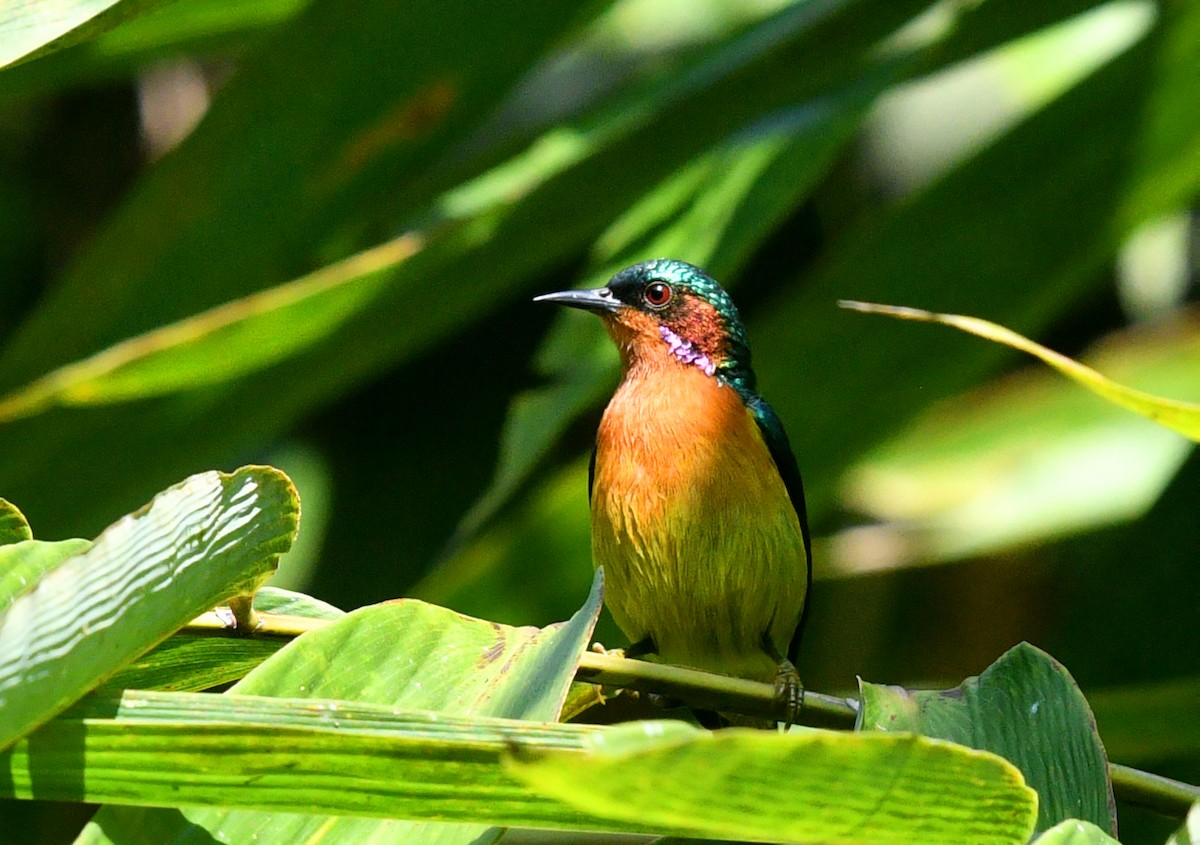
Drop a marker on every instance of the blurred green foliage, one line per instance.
(333, 268)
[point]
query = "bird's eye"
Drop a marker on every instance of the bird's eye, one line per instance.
(657, 294)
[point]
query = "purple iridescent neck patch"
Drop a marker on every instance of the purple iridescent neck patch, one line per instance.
(686, 352)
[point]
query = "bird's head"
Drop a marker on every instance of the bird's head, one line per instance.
(668, 308)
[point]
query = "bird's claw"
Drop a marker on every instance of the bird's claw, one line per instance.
(599, 648)
(789, 694)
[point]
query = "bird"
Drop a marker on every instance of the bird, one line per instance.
(697, 506)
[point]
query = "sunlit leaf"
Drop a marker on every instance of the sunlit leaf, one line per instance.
(1183, 417)
(742, 783)
(220, 344)
(1026, 708)
(1075, 832)
(13, 527)
(23, 563)
(191, 661)
(209, 538)
(30, 25)
(403, 654)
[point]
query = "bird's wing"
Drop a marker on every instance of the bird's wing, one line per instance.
(773, 433)
(591, 473)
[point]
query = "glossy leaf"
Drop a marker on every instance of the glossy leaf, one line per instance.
(1189, 833)
(1026, 708)
(282, 756)
(30, 25)
(403, 654)
(190, 661)
(1026, 458)
(22, 565)
(1075, 832)
(742, 783)
(209, 538)
(13, 527)
(1021, 238)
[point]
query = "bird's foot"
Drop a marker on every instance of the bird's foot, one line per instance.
(599, 648)
(789, 694)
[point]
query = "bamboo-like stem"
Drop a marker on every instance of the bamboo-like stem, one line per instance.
(718, 692)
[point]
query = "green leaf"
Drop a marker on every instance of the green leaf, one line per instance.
(1183, 417)
(277, 758)
(211, 537)
(31, 25)
(24, 563)
(295, 167)
(13, 526)
(1024, 707)
(164, 30)
(1024, 230)
(1075, 832)
(402, 654)
(222, 343)
(189, 661)
(1028, 456)
(1189, 834)
(795, 787)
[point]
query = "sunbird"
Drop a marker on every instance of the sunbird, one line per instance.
(697, 507)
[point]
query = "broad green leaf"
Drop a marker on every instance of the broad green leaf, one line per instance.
(27, 26)
(219, 344)
(746, 784)
(297, 167)
(1075, 832)
(283, 757)
(814, 51)
(403, 654)
(1183, 417)
(1027, 457)
(13, 527)
(1189, 834)
(1024, 707)
(189, 661)
(211, 537)
(270, 599)
(163, 30)
(23, 564)
(1024, 229)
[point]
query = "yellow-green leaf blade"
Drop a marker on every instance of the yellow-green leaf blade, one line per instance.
(402, 654)
(1075, 832)
(193, 661)
(795, 787)
(13, 526)
(1189, 834)
(1025, 707)
(24, 563)
(1183, 417)
(219, 344)
(293, 756)
(213, 536)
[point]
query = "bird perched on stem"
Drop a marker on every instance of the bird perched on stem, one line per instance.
(698, 511)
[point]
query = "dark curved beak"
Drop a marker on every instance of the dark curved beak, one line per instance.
(597, 300)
